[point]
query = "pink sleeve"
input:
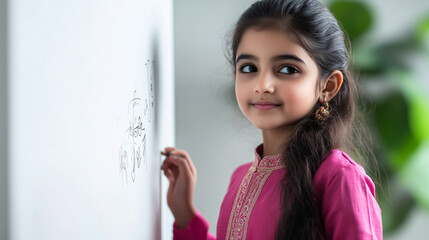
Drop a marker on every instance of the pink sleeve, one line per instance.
(349, 208)
(198, 229)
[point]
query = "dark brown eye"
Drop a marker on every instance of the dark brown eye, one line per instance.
(248, 69)
(289, 70)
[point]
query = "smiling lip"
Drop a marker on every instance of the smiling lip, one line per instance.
(261, 105)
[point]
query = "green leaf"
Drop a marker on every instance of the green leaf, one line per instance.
(419, 117)
(367, 61)
(392, 122)
(401, 156)
(355, 17)
(422, 33)
(418, 103)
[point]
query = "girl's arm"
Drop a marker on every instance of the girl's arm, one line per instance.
(182, 176)
(197, 229)
(348, 205)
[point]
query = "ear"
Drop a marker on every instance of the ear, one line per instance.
(331, 85)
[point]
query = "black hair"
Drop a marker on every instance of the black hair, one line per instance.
(317, 31)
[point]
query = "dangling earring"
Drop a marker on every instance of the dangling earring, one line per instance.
(322, 113)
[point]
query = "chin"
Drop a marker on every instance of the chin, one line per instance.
(265, 126)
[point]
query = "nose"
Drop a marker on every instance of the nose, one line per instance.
(265, 84)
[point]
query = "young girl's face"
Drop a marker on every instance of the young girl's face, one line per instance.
(276, 79)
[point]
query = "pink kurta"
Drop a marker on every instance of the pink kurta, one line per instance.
(251, 207)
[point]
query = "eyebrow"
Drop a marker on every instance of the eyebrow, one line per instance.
(276, 58)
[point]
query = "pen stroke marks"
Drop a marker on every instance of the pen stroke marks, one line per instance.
(133, 150)
(150, 90)
(132, 153)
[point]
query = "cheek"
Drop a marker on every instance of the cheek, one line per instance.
(300, 99)
(240, 95)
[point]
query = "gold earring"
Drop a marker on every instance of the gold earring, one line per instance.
(322, 113)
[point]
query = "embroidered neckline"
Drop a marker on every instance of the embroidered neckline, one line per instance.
(271, 161)
(248, 193)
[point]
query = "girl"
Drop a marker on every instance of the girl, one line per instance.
(291, 80)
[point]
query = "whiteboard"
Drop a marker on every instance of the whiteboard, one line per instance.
(90, 108)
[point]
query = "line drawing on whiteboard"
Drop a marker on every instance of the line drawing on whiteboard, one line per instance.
(150, 100)
(133, 150)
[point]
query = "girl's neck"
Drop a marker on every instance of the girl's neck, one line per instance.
(274, 140)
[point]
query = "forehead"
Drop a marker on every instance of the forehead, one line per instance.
(270, 42)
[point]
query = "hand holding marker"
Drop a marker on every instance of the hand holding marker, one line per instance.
(181, 174)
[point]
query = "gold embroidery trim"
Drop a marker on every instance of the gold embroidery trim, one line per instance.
(245, 200)
(241, 191)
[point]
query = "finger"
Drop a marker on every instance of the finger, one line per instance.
(169, 173)
(165, 172)
(169, 149)
(168, 158)
(166, 153)
(170, 176)
(182, 164)
(167, 163)
(187, 157)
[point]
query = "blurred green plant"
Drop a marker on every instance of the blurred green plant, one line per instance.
(399, 119)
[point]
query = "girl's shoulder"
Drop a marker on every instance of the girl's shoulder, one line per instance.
(241, 170)
(238, 174)
(338, 160)
(346, 199)
(340, 168)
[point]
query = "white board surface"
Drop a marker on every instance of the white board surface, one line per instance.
(90, 108)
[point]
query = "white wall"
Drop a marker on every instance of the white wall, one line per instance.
(82, 77)
(209, 124)
(3, 122)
